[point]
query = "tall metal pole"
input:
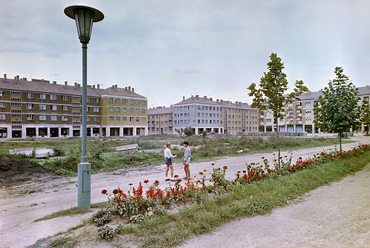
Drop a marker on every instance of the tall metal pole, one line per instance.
(84, 168)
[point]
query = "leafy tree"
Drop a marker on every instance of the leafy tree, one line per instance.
(337, 108)
(189, 131)
(365, 114)
(271, 94)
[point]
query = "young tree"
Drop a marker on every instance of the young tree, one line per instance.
(337, 108)
(271, 92)
(365, 115)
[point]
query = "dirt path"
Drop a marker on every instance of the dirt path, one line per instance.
(21, 205)
(337, 215)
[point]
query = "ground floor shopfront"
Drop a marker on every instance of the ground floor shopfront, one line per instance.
(54, 131)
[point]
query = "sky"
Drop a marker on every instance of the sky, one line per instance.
(168, 49)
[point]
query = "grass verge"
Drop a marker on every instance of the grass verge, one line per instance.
(173, 229)
(73, 211)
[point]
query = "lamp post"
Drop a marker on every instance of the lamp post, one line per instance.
(84, 17)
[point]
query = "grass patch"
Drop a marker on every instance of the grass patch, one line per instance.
(73, 211)
(243, 201)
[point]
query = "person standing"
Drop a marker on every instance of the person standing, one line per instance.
(168, 160)
(186, 163)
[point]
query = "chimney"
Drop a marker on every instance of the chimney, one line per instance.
(211, 99)
(129, 88)
(133, 90)
(93, 86)
(98, 86)
(183, 98)
(66, 83)
(79, 85)
(126, 88)
(196, 96)
(54, 82)
(24, 79)
(88, 86)
(4, 76)
(76, 84)
(205, 97)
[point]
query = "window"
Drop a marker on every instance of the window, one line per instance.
(1, 93)
(30, 95)
(111, 109)
(2, 116)
(42, 107)
(118, 118)
(124, 110)
(42, 96)
(137, 102)
(137, 119)
(124, 118)
(15, 100)
(131, 119)
(53, 97)
(96, 110)
(117, 109)
(53, 107)
(18, 93)
(131, 110)
(143, 119)
(96, 100)
(42, 117)
(64, 118)
(131, 101)
(137, 110)
(111, 100)
(143, 111)
(96, 119)
(2, 104)
(65, 98)
(308, 118)
(29, 106)
(111, 118)
(308, 104)
(143, 103)
(308, 111)
(53, 118)
(268, 120)
(124, 101)
(65, 108)
(117, 100)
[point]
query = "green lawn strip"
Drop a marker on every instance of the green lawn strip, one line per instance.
(73, 211)
(243, 201)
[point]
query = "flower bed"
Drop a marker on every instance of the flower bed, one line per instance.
(138, 203)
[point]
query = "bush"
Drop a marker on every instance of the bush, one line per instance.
(107, 233)
(102, 217)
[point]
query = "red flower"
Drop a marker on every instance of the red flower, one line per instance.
(115, 191)
(263, 158)
(130, 184)
(104, 191)
(225, 167)
(146, 181)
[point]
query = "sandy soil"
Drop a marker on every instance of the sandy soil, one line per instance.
(21, 205)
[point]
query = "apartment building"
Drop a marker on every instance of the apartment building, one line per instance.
(200, 113)
(238, 117)
(299, 115)
(39, 108)
(160, 120)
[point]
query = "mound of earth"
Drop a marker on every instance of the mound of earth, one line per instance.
(15, 171)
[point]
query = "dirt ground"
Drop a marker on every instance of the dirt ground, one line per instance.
(337, 214)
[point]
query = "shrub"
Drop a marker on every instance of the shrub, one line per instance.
(102, 217)
(107, 233)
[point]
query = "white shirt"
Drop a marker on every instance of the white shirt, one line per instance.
(167, 153)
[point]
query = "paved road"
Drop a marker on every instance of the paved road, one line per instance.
(17, 213)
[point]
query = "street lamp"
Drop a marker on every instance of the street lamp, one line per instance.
(84, 17)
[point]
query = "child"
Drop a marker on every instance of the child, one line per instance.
(168, 159)
(186, 163)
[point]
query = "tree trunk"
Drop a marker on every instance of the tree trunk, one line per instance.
(278, 145)
(340, 142)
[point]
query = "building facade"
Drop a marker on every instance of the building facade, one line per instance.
(38, 108)
(160, 120)
(299, 115)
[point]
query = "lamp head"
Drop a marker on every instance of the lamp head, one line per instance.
(84, 17)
